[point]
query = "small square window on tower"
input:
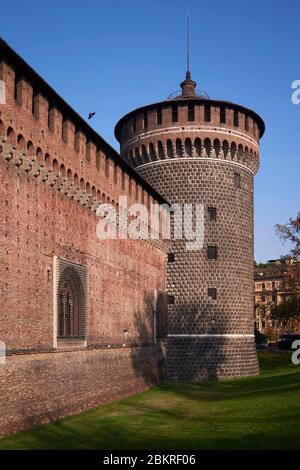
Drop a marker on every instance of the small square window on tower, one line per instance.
(237, 180)
(212, 252)
(171, 257)
(212, 213)
(212, 293)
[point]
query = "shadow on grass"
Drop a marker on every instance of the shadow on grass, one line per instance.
(255, 413)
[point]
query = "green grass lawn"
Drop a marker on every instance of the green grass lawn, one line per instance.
(260, 412)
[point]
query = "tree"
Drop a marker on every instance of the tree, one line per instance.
(291, 232)
(288, 310)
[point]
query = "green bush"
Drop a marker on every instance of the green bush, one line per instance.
(259, 337)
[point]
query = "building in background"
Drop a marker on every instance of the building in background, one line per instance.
(272, 286)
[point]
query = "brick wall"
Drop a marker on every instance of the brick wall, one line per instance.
(55, 170)
(36, 388)
(40, 223)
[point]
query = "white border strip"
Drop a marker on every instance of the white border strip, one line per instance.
(196, 159)
(211, 335)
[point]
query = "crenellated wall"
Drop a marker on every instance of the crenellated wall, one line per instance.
(55, 170)
(191, 129)
(37, 122)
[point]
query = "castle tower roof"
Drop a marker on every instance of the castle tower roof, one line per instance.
(188, 86)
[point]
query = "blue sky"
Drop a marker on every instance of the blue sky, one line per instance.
(111, 56)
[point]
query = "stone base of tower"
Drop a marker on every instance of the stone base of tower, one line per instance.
(210, 358)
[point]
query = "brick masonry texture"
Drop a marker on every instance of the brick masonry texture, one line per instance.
(48, 195)
(40, 223)
(210, 358)
(36, 388)
(191, 274)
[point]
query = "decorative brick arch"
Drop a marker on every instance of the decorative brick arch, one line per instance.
(71, 305)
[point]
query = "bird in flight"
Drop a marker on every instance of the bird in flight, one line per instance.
(91, 115)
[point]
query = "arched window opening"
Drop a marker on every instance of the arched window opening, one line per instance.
(69, 175)
(62, 170)
(30, 148)
(160, 150)
(20, 142)
(207, 147)
(39, 154)
(47, 159)
(169, 148)
(188, 147)
(217, 147)
(240, 152)
(11, 135)
(197, 145)
(55, 165)
(226, 149)
(178, 148)
(137, 157)
(151, 151)
(144, 154)
(71, 302)
(1, 129)
(233, 150)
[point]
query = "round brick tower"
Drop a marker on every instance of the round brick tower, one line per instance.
(192, 149)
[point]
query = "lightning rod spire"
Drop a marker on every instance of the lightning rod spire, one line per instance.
(188, 40)
(188, 85)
